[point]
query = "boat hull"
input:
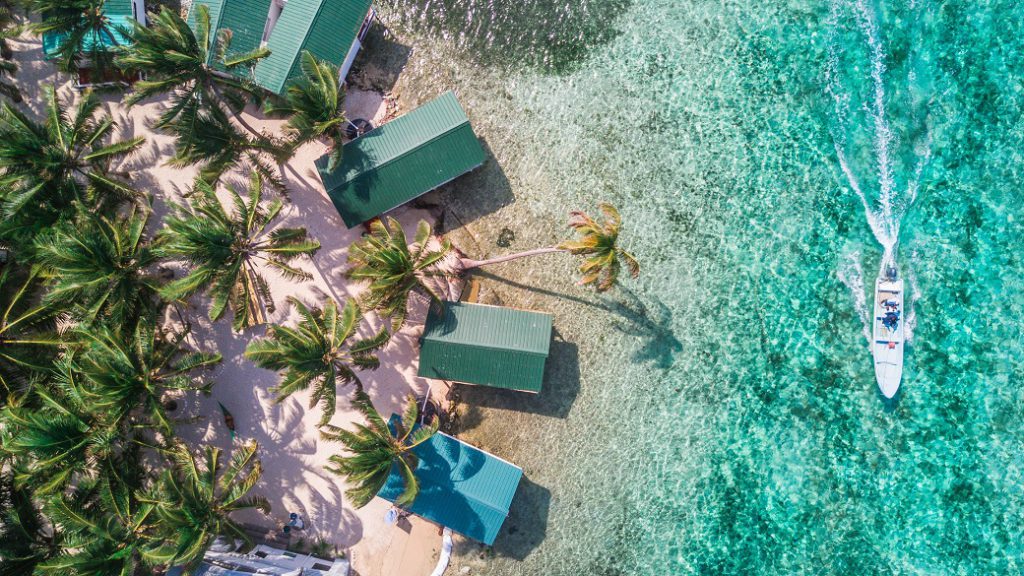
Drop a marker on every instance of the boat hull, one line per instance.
(887, 338)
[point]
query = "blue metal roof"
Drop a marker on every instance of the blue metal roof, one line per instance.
(461, 487)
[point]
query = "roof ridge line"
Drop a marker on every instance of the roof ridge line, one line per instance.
(494, 348)
(421, 144)
(305, 35)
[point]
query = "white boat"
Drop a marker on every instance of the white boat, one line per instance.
(887, 339)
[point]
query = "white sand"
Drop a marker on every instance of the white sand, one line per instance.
(292, 453)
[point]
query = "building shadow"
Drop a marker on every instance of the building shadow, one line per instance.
(380, 62)
(527, 522)
(471, 196)
(560, 389)
(550, 37)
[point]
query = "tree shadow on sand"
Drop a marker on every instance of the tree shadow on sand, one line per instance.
(551, 37)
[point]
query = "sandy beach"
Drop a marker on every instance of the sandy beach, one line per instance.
(292, 453)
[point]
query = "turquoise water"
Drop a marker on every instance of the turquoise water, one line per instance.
(720, 415)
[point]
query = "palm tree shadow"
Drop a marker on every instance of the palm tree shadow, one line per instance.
(653, 322)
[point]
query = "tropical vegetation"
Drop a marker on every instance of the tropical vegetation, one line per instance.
(372, 449)
(322, 352)
(85, 32)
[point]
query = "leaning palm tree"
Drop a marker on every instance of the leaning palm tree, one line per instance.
(196, 68)
(47, 166)
(84, 30)
(99, 265)
(225, 251)
(320, 352)
(134, 367)
(314, 107)
(395, 269)
(28, 336)
(194, 501)
(375, 448)
(597, 243)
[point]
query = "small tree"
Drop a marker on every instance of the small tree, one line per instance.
(374, 448)
(225, 250)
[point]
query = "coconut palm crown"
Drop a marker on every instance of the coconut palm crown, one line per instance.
(321, 352)
(374, 448)
(598, 244)
(314, 107)
(194, 500)
(394, 269)
(194, 67)
(46, 166)
(100, 265)
(84, 29)
(226, 250)
(28, 336)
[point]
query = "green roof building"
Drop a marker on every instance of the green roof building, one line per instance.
(488, 345)
(401, 160)
(461, 487)
(331, 30)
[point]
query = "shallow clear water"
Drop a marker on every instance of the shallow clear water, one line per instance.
(720, 415)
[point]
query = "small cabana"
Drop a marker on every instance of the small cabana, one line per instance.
(461, 487)
(488, 345)
(121, 16)
(401, 160)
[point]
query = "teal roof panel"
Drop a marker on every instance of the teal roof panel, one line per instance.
(401, 160)
(53, 41)
(461, 487)
(246, 19)
(487, 345)
(326, 28)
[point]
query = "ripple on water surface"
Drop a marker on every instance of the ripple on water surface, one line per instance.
(720, 415)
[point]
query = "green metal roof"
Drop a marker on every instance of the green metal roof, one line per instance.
(461, 486)
(119, 15)
(405, 158)
(245, 18)
(489, 345)
(326, 28)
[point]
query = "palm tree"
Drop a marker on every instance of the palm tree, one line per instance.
(61, 438)
(214, 144)
(28, 337)
(195, 67)
(8, 68)
(597, 243)
(84, 28)
(125, 369)
(318, 353)
(100, 266)
(374, 449)
(225, 250)
(314, 107)
(26, 537)
(45, 167)
(394, 269)
(195, 499)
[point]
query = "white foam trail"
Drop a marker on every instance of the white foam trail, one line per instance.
(851, 275)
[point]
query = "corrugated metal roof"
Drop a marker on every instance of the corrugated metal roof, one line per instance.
(245, 18)
(401, 160)
(325, 28)
(488, 345)
(461, 487)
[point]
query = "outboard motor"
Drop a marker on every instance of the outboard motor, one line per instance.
(890, 272)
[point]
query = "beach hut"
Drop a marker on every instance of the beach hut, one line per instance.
(401, 160)
(331, 30)
(461, 487)
(487, 345)
(120, 15)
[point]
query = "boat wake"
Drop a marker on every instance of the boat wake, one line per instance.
(862, 132)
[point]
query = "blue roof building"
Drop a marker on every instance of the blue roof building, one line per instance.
(461, 487)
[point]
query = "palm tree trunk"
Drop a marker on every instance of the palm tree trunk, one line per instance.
(236, 115)
(255, 302)
(468, 264)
